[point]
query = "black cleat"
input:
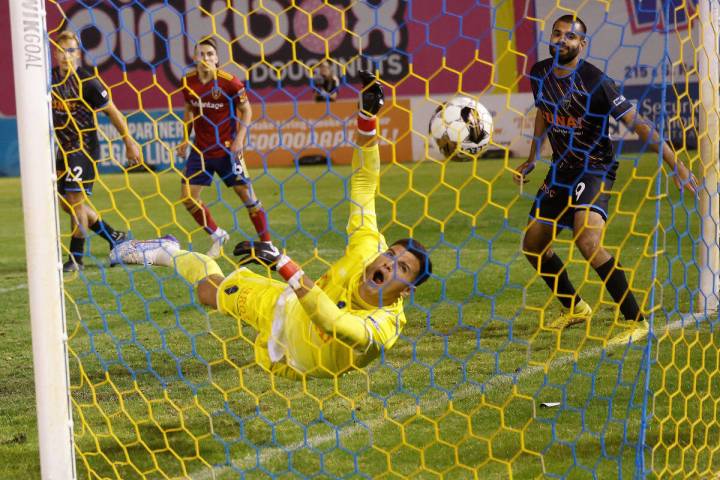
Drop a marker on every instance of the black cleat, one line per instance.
(73, 266)
(118, 237)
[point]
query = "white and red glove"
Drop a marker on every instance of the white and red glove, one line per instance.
(265, 253)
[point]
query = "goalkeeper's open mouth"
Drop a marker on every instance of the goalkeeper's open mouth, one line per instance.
(378, 277)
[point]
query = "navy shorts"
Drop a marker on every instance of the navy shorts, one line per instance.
(556, 202)
(199, 171)
(75, 171)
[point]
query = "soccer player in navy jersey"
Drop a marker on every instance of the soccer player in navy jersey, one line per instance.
(575, 101)
(77, 95)
(217, 108)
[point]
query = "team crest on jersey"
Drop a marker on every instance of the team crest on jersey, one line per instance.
(566, 101)
(216, 93)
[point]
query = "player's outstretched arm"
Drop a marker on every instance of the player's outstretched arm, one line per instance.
(683, 177)
(366, 158)
(521, 172)
(133, 153)
(132, 149)
(319, 307)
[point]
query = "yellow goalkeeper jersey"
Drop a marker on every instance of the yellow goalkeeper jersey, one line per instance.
(297, 339)
(289, 332)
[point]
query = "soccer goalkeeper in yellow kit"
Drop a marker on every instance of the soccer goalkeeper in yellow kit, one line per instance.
(305, 328)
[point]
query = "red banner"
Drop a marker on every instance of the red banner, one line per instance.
(142, 49)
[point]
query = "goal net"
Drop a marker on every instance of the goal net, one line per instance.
(477, 384)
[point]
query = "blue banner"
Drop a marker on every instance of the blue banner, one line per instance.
(158, 133)
(9, 155)
(681, 120)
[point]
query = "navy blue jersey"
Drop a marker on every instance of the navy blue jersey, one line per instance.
(577, 108)
(75, 99)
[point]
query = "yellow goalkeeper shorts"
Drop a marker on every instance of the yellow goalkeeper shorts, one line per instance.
(251, 298)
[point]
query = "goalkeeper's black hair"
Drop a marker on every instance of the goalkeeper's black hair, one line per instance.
(421, 253)
(571, 19)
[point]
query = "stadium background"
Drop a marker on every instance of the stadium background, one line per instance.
(609, 402)
(148, 44)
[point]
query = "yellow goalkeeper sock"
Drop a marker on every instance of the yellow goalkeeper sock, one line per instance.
(194, 267)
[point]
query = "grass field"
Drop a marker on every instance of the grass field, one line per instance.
(163, 389)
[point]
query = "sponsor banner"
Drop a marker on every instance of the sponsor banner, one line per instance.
(150, 45)
(9, 156)
(274, 44)
(157, 132)
(681, 119)
(628, 39)
(288, 132)
(280, 135)
(283, 133)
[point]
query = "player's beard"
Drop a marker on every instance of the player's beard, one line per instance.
(564, 59)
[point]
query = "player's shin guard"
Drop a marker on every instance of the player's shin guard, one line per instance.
(259, 219)
(202, 216)
(104, 230)
(553, 272)
(194, 267)
(77, 248)
(616, 283)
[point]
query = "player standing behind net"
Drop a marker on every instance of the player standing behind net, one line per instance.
(574, 101)
(77, 94)
(327, 83)
(217, 108)
(322, 329)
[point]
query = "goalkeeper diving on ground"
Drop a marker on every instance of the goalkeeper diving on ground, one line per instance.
(305, 328)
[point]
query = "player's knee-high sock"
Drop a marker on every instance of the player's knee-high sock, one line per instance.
(202, 216)
(108, 233)
(193, 266)
(258, 217)
(617, 285)
(553, 271)
(77, 248)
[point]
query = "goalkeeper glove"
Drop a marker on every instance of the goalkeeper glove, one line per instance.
(265, 253)
(372, 97)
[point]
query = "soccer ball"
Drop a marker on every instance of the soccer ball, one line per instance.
(461, 126)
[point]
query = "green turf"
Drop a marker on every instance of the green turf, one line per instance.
(162, 389)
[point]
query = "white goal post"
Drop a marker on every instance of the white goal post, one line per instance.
(709, 135)
(49, 336)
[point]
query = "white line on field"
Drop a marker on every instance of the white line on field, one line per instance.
(21, 286)
(491, 385)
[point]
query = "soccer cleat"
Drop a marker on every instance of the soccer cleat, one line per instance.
(143, 252)
(218, 241)
(72, 266)
(579, 314)
(118, 237)
(635, 331)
